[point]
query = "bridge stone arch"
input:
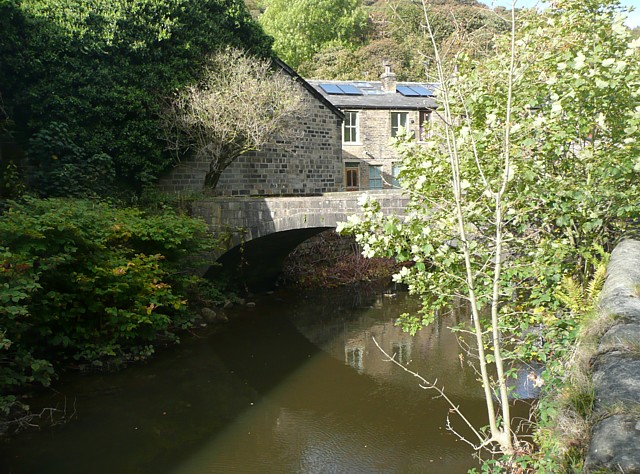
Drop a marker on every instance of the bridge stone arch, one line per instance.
(262, 231)
(244, 219)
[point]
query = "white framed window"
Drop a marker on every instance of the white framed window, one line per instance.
(399, 119)
(375, 177)
(351, 127)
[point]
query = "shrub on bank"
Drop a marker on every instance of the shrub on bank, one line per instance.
(84, 282)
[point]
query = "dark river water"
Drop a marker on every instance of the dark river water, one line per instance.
(293, 385)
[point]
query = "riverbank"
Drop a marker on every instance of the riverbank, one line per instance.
(614, 443)
(588, 419)
(89, 285)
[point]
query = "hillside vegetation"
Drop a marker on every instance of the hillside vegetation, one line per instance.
(323, 47)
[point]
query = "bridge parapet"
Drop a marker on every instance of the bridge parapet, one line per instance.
(248, 218)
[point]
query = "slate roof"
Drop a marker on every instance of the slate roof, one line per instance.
(373, 96)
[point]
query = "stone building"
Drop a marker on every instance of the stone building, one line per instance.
(374, 113)
(310, 164)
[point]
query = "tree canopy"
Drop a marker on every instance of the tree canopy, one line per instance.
(101, 68)
(394, 32)
(301, 28)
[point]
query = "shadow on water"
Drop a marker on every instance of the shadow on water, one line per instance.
(292, 385)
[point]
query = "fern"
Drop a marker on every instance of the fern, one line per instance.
(578, 298)
(595, 284)
(571, 294)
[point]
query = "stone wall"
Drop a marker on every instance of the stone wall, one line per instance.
(243, 219)
(310, 164)
(615, 438)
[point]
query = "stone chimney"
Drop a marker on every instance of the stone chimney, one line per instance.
(388, 78)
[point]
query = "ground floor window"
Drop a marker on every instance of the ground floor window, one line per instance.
(375, 177)
(352, 178)
(395, 172)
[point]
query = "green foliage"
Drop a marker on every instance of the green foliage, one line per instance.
(572, 180)
(11, 184)
(396, 34)
(103, 68)
(83, 282)
(579, 298)
(63, 168)
(529, 178)
(301, 28)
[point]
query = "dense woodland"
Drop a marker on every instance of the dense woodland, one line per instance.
(373, 32)
(350, 39)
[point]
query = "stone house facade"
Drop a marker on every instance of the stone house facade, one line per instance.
(375, 112)
(311, 164)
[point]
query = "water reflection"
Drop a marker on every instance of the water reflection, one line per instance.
(434, 352)
(295, 385)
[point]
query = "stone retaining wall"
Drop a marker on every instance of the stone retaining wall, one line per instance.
(615, 439)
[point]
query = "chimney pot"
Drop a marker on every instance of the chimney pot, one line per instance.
(388, 79)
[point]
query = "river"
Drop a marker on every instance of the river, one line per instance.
(292, 385)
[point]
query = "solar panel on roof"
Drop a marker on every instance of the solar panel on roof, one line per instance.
(350, 89)
(407, 91)
(331, 89)
(363, 84)
(423, 91)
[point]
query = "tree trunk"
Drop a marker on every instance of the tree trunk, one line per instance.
(211, 179)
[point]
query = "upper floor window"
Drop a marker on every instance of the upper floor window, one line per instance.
(399, 119)
(350, 132)
(425, 125)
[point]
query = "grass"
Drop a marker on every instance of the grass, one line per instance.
(567, 410)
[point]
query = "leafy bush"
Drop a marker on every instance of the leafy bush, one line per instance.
(64, 169)
(11, 184)
(83, 282)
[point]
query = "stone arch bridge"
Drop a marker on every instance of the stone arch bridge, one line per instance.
(261, 231)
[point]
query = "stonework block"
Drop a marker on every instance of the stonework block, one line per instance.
(313, 164)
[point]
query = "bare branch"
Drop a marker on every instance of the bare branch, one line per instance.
(425, 384)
